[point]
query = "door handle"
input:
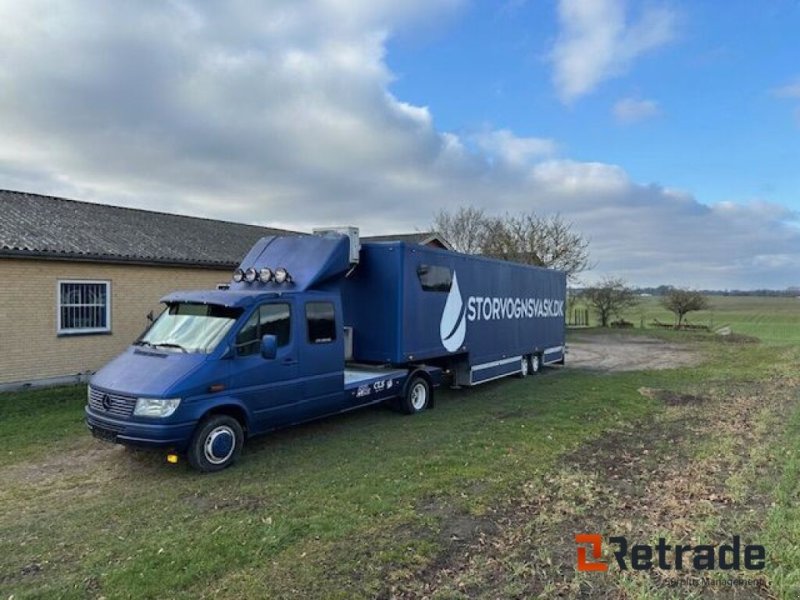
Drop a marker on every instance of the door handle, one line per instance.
(289, 361)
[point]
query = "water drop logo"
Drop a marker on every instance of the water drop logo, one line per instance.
(453, 327)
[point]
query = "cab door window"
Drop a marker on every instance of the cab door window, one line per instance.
(269, 319)
(321, 321)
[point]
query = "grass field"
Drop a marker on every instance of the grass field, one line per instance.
(773, 320)
(479, 498)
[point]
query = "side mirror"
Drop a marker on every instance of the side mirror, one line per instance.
(269, 346)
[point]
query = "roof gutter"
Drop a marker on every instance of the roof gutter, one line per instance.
(116, 260)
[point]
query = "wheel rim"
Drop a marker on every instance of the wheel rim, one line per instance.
(219, 445)
(535, 363)
(419, 396)
(524, 366)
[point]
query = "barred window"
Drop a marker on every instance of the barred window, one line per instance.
(84, 306)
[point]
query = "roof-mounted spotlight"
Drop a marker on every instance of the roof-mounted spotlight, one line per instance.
(265, 275)
(250, 275)
(238, 275)
(282, 275)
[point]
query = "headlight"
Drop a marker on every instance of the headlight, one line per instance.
(250, 275)
(282, 275)
(238, 275)
(265, 275)
(156, 407)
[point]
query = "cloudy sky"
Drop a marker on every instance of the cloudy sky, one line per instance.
(668, 132)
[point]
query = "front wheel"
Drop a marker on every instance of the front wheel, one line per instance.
(216, 444)
(417, 397)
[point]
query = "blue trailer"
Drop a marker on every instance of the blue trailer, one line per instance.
(318, 325)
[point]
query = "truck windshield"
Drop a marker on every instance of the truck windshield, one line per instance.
(186, 327)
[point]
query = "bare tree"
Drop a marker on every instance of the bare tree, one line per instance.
(535, 240)
(464, 228)
(526, 238)
(609, 298)
(681, 302)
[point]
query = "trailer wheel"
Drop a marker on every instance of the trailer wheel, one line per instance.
(536, 363)
(216, 444)
(417, 397)
(524, 367)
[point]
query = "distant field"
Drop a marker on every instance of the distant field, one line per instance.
(774, 320)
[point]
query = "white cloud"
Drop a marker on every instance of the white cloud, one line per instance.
(790, 90)
(633, 110)
(279, 113)
(598, 41)
(503, 145)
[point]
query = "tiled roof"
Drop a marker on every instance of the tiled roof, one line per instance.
(33, 225)
(50, 227)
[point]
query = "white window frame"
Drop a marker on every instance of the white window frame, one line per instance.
(107, 329)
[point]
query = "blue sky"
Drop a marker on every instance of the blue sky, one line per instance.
(667, 132)
(721, 129)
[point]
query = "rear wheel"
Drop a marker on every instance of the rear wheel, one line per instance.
(216, 444)
(417, 397)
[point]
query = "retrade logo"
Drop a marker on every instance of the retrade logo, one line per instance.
(733, 556)
(453, 326)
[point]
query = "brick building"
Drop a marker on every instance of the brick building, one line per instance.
(78, 279)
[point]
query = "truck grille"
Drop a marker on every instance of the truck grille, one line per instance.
(111, 404)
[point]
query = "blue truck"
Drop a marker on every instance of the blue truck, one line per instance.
(315, 325)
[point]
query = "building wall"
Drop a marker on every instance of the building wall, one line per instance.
(30, 347)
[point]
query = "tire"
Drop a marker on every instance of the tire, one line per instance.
(524, 367)
(417, 397)
(216, 444)
(536, 364)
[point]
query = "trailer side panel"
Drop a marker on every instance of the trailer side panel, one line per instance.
(455, 307)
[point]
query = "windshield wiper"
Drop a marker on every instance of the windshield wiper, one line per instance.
(142, 343)
(170, 345)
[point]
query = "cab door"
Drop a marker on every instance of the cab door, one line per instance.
(270, 388)
(322, 356)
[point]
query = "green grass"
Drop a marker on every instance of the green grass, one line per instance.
(36, 422)
(773, 320)
(783, 525)
(134, 525)
(339, 508)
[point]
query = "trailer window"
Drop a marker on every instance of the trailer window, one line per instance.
(435, 278)
(269, 319)
(321, 320)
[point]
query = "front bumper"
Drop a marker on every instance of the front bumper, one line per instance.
(136, 433)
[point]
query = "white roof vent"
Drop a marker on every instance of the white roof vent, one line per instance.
(350, 232)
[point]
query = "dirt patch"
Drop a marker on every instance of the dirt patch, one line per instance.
(612, 353)
(663, 476)
(84, 457)
(671, 398)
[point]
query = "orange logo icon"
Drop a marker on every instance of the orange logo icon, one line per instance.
(596, 540)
